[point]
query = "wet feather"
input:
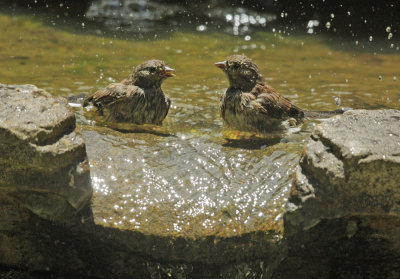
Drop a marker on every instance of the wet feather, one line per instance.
(249, 103)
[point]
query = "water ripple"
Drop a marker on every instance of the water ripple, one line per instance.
(189, 184)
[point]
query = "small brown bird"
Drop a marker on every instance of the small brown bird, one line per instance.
(137, 99)
(249, 104)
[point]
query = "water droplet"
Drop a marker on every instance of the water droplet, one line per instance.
(338, 100)
(394, 78)
(332, 15)
(388, 29)
(391, 45)
(356, 42)
(348, 13)
(379, 77)
(328, 25)
(370, 38)
(390, 35)
(201, 28)
(247, 38)
(83, 24)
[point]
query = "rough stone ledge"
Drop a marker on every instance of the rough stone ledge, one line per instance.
(343, 215)
(351, 165)
(43, 163)
(38, 119)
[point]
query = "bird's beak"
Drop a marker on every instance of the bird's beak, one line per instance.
(168, 72)
(221, 65)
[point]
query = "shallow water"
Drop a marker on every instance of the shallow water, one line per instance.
(192, 177)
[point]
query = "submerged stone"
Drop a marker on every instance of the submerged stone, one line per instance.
(154, 204)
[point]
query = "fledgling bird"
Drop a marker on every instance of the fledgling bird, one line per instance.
(250, 104)
(137, 99)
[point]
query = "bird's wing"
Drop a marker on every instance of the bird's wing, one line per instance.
(113, 93)
(168, 101)
(222, 106)
(274, 104)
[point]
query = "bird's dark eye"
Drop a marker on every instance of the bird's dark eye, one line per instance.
(152, 70)
(235, 66)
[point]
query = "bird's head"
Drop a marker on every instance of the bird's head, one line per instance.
(151, 73)
(241, 71)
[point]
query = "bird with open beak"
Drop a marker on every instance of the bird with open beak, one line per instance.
(250, 104)
(137, 99)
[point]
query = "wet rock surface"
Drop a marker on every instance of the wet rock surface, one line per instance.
(42, 157)
(156, 207)
(45, 185)
(351, 165)
(344, 208)
(142, 15)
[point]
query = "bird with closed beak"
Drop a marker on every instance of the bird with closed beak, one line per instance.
(137, 99)
(250, 104)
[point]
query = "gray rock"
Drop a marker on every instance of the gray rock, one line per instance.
(43, 164)
(343, 215)
(350, 166)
